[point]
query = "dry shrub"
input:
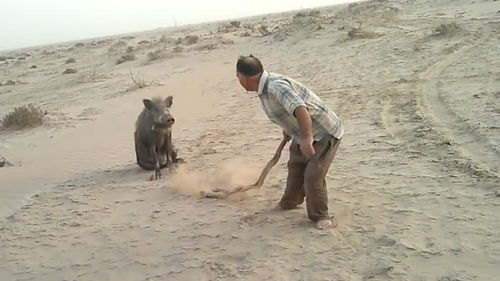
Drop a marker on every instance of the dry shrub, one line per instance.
(178, 49)
(155, 55)
(69, 71)
(139, 82)
(94, 75)
(207, 47)
(235, 23)
(126, 57)
(117, 47)
(263, 30)
(8, 83)
(359, 33)
(446, 29)
(3, 58)
(191, 39)
(23, 117)
(70, 60)
(4, 162)
(312, 13)
(130, 49)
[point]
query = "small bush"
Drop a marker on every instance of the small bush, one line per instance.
(263, 30)
(70, 60)
(178, 49)
(33, 66)
(138, 82)
(94, 75)
(8, 83)
(130, 49)
(23, 117)
(168, 40)
(191, 39)
(312, 13)
(2, 58)
(155, 55)
(446, 29)
(4, 162)
(126, 57)
(69, 71)
(358, 33)
(235, 23)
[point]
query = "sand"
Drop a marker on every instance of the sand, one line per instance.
(414, 189)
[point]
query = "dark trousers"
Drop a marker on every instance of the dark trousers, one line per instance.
(306, 178)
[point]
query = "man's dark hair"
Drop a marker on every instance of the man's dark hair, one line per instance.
(249, 66)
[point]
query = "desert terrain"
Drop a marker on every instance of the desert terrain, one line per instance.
(414, 188)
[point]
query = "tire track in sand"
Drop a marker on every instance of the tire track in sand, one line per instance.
(470, 142)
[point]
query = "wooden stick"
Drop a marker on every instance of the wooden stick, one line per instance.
(219, 193)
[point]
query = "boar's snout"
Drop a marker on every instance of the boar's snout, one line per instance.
(167, 120)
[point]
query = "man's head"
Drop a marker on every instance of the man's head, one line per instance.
(248, 70)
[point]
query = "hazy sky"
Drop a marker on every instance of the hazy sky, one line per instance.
(34, 22)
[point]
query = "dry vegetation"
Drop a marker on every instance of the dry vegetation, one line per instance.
(191, 39)
(359, 33)
(155, 55)
(446, 29)
(139, 82)
(69, 71)
(125, 58)
(4, 162)
(24, 117)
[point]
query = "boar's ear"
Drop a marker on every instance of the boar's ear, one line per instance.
(148, 103)
(168, 101)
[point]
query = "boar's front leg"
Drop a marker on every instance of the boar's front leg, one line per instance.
(157, 174)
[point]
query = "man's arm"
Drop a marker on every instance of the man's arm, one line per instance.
(305, 125)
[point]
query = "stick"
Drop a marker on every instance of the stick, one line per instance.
(219, 193)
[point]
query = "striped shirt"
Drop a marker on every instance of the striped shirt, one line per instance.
(280, 96)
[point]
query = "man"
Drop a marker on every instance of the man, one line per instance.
(315, 129)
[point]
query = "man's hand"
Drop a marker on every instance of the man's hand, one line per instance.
(286, 136)
(306, 136)
(306, 147)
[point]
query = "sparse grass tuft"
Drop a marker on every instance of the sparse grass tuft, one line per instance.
(235, 23)
(359, 33)
(178, 49)
(155, 55)
(69, 71)
(446, 29)
(191, 39)
(126, 57)
(139, 82)
(312, 13)
(23, 117)
(95, 75)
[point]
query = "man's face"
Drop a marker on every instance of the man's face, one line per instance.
(243, 80)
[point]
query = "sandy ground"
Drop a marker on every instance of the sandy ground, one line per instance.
(415, 187)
